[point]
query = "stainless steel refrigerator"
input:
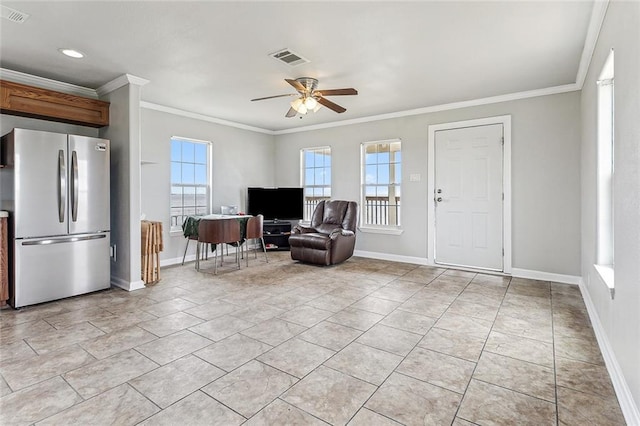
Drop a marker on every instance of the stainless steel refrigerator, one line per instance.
(56, 189)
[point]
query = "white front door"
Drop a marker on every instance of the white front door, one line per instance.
(469, 196)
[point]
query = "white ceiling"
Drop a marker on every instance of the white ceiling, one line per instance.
(211, 58)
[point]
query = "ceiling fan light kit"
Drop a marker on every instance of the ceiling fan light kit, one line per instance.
(310, 98)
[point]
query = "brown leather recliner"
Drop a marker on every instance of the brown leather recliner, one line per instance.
(331, 237)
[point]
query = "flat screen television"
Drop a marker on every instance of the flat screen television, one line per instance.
(275, 203)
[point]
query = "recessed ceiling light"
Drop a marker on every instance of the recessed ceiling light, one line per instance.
(71, 53)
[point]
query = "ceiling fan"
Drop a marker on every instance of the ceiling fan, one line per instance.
(310, 98)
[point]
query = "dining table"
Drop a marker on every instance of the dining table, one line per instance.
(191, 223)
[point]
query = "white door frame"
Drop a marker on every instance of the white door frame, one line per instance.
(505, 120)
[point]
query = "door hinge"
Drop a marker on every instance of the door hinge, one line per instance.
(503, 252)
(502, 140)
(503, 196)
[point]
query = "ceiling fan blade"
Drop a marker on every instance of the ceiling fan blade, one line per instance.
(291, 113)
(276, 96)
(296, 85)
(332, 106)
(337, 92)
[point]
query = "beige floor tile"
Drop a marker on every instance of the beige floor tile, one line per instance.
(396, 293)
(287, 301)
(174, 381)
(580, 349)
(123, 320)
(455, 343)
(305, 315)
(409, 321)
(424, 306)
(414, 402)
(274, 331)
(170, 324)
(578, 408)
(233, 351)
(329, 395)
(221, 327)
(168, 307)
(37, 402)
(68, 319)
(119, 406)
(104, 374)
(438, 369)
(250, 388)
(14, 351)
(520, 376)
(58, 339)
(584, 377)
(455, 322)
(296, 357)
(33, 370)
(481, 296)
(213, 309)
(488, 404)
(356, 318)
(365, 363)
(390, 339)
(521, 348)
(4, 388)
(174, 346)
(198, 409)
(474, 310)
(366, 417)
(376, 305)
(117, 341)
(539, 329)
(258, 313)
(330, 302)
(423, 276)
(281, 413)
(25, 330)
(13, 317)
(461, 422)
(330, 335)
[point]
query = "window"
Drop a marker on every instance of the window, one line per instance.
(605, 170)
(381, 179)
(190, 179)
(316, 177)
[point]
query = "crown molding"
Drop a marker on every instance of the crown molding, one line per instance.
(598, 13)
(436, 108)
(119, 82)
(189, 114)
(46, 83)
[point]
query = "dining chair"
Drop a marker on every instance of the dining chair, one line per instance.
(254, 232)
(219, 231)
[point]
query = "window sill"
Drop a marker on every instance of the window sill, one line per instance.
(377, 230)
(606, 274)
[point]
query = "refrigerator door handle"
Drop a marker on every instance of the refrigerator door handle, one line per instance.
(74, 186)
(62, 185)
(48, 241)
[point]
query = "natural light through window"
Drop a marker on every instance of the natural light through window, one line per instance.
(316, 177)
(381, 184)
(605, 171)
(190, 179)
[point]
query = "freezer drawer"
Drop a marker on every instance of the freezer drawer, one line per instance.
(53, 268)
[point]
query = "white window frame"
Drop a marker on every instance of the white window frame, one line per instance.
(176, 225)
(605, 173)
(393, 229)
(309, 207)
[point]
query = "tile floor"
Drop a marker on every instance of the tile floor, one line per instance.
(367, 342)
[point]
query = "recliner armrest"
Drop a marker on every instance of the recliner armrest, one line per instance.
(340, 232)
(299, 229)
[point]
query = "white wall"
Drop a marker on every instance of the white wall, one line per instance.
(241, 158)
(545, 176)
(620, 317)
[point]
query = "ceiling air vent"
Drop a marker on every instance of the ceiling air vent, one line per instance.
(14, 15)
(288, 57)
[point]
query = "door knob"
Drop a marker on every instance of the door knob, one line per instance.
(439, 191)
(439, 199)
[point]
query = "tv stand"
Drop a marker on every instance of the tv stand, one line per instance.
(276, 234)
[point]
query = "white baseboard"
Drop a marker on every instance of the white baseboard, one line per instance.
(391, 257)
(625, 398)
(545, 276)
(126, 285)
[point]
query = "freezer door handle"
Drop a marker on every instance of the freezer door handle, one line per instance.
(62, 185)
(47, 241)
(74, 186)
